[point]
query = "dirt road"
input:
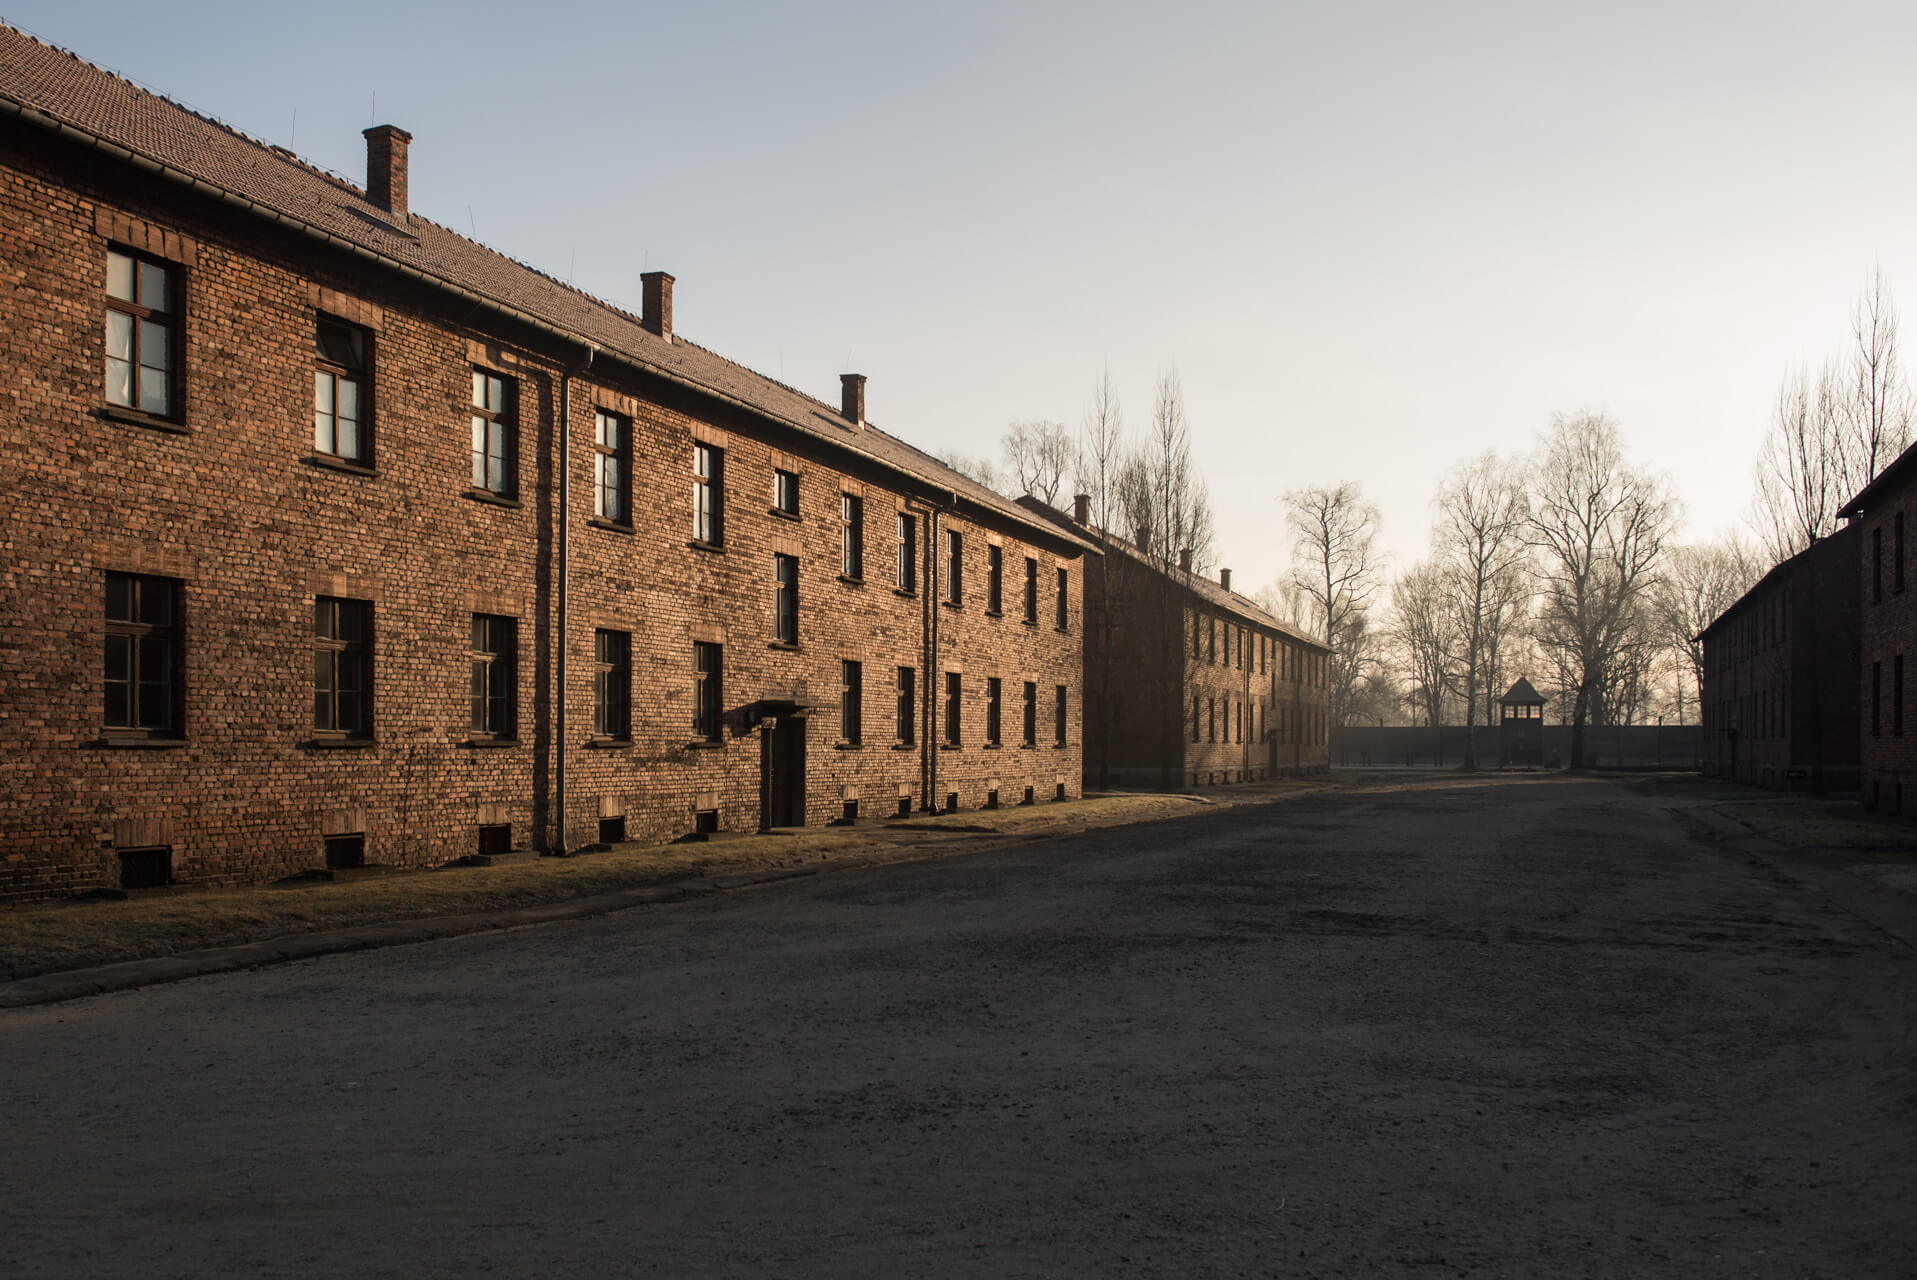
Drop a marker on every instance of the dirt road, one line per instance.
(1498, 1028)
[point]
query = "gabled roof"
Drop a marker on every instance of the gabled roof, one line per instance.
(1896, 472)
(1522, 694)
(66, 95)
(1204, 588)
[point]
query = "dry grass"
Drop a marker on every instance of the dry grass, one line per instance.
(1813, 823)
(49, 939)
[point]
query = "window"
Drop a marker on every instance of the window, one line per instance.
(142, 332)
(144, 649)
(1897, 554)
(1194, 718)
(1058, 717)
(1031, 714)
(495, 655)
(908, 701)
(851, 702)
(1877, 565)
(785, 615)
(708, 495)
(340, 419)
(954, 567)
(612, 685)
(1211, 640)
(908, 539)
(785, 493)
(954, 699)
(1211, 719)
(1031, 590)
(612, 462)
(343, 853)
(991, 711)
(1064, 600)
(852, 536)
(1897, 695)
(994, 579)
(342, 667)
(494, 464)
(708, 678)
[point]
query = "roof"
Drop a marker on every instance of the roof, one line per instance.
(60, 92)
(1897, 472)
(1522, 694)
(1821, 548)
(1204, 588)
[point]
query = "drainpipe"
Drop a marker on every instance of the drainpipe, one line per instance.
(929, 581)
(565, 582)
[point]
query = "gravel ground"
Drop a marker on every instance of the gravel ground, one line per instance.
(1499, 1027)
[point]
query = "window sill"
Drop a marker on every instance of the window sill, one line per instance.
(993, 746)
(953, 604)
(1029, 622)
(706, 744)
(715, 548)
(331, 462)
(1028, 746)
(782, 514)
(843, 745)
(610, 526)
(911, 593)
(789, 646)
(1064, 631)
(905, 746)
(482, 744)
(340, 743)
(851, 581)
(123, 742)
(133, 417)
(492, 499)
(951, 746)
(609, 744)
(995, 613)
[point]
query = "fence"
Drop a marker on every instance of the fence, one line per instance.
(1637, 746)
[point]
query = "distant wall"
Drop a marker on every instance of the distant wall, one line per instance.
(1638, 746)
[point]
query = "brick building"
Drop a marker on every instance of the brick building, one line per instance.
(333, 536)
(1188, 683)
(1887, 632)
(1779, 697)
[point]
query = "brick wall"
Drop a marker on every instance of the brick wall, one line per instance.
(1888, 608)
(232, 503)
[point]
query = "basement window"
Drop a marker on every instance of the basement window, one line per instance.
(495, 838)
(705, 822)
(612, 830)
(343, 853)
(149, 868)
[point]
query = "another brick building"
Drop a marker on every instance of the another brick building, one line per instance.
(1188, 683)
(1887, 636)
(332, 536)
(1779, 695)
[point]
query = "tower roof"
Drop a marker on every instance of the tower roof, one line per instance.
(1522, 694)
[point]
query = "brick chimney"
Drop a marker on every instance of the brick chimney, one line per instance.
(656, 314)
(386, 168)
(1224, 579)
(1081, 508)
(1184, 560)
(852, 398)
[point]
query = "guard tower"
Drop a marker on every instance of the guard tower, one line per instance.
(1521, 727)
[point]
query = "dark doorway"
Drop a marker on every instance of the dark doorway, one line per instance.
(783, 798)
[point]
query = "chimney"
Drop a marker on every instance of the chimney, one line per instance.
(656, 314)
(1184, 560)
(386, 168)
(852, 398)
(1224, 579)
(1081, 508)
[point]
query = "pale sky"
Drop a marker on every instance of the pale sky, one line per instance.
(1373, 238)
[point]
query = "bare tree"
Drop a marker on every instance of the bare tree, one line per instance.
(1336, 565)
(983, 470)
(1101, 450)
(1097, 464)
(1599, 525)
(1698, 584)
(1480, 541)
(1038, 456)
(1423, 619)
(1830, 436)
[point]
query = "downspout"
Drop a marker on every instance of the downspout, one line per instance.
(565, 583)
(929, 775)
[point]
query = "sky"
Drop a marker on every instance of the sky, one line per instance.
(1372, 239)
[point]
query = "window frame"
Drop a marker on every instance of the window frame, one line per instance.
(491, 423)
(908, 549)
(339, 651)
(851, 702)
(1060, 716)
(616, 456)
(169, 318)
(852, 537)
(785, 493)
(954, 708)
(994, 579)
(1063, 622)
(325, 366)
(785, 599)
(907, 725)
(708, 691)
(953, 588)
(139, 636)
(994, 711)
(611, 685)
(1031, 591)
(494, 688)
(1031, 713)
(708, 494)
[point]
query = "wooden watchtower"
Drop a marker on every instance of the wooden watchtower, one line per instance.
(1521, 727)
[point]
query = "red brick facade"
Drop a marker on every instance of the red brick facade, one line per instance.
(1190, 684)
(1886, 585)
(1779, 691)
(192, 547)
